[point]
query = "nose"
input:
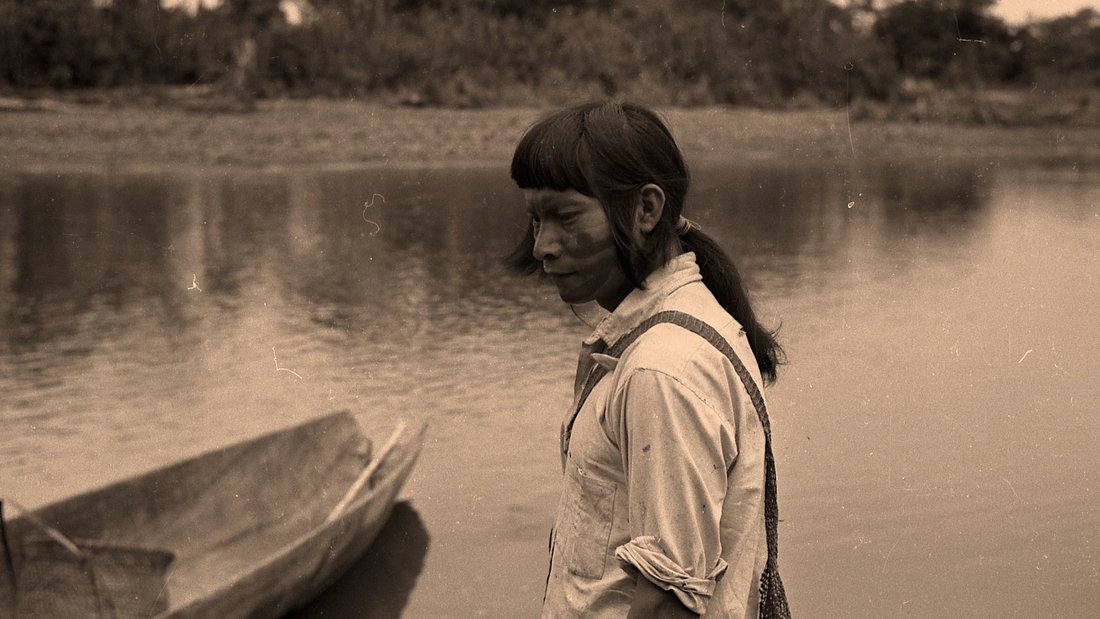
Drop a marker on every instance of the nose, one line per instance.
(547, 242)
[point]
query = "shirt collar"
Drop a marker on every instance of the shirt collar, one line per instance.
(643, 303)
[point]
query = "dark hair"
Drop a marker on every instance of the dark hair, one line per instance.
(609, 151)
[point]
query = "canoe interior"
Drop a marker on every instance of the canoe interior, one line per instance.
(295, 573)
(54, 582)
(220, 513)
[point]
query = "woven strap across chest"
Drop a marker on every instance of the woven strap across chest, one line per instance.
(773, 598)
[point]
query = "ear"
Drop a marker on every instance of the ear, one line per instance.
(649, 208)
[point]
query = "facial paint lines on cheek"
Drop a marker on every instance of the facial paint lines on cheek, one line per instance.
(599, 267)
(587, 245)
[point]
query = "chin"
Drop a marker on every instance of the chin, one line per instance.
(573, 298)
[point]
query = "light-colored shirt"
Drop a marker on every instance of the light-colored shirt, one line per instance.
(664, 476)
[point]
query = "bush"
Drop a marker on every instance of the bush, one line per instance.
(488, 52)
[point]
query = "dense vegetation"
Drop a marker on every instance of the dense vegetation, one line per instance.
(490, 52)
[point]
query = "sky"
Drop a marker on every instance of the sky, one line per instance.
(1018, 11)
(1012, 11)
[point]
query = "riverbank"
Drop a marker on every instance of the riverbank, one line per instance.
(341, 133)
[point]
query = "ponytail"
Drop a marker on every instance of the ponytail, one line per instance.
(724, 281)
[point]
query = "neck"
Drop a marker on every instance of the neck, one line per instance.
(612, 300)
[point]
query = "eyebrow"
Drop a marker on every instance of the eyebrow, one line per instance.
(568, 208)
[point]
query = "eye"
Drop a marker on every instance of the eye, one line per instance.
(569, 218)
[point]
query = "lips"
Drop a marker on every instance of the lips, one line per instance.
(561, 279)
(557, 274)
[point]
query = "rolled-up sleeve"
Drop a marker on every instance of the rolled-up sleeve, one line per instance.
(676, 450)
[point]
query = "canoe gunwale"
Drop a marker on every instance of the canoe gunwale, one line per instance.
(387, 482)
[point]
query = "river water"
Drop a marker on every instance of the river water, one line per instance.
(936, 429)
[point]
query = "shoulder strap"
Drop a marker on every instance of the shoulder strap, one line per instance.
(708, 333)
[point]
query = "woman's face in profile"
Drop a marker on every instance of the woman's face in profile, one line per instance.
(573, 242)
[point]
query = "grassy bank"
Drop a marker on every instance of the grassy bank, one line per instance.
(329, 133)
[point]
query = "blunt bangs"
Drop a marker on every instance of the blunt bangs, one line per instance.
(554, 154)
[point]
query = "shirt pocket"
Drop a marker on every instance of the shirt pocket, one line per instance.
(593, 509)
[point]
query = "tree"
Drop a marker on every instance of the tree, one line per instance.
(133, 42)
(50, 43)
(1067, 48)
(951, 42)
(252, 21)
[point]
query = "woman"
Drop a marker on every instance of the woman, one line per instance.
(666, 453)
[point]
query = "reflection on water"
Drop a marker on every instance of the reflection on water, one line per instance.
(935, 428)
(379, 584)
(95, 248)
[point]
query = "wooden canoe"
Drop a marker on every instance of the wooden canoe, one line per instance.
(250, 530)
